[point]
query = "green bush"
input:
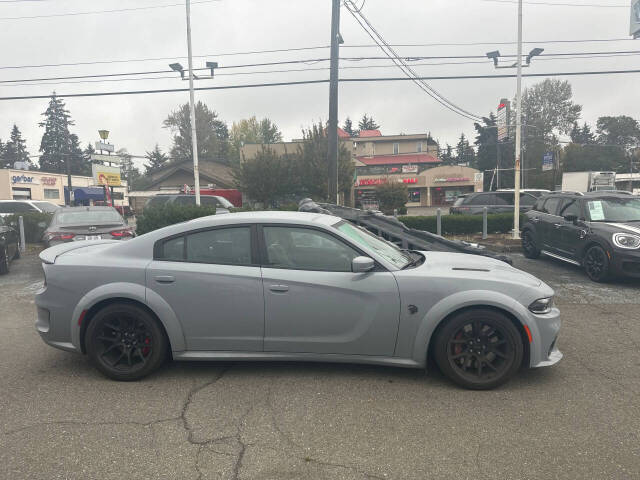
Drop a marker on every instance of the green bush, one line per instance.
(462, 224)
(154, 218)
(32, 230)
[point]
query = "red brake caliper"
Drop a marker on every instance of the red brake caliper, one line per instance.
(458, 347)
(145, 350)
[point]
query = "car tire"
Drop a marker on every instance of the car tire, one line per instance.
(4, 261)
(125, 342)
(17, 254)
(478, 349)
(596, 264)
(529, 247)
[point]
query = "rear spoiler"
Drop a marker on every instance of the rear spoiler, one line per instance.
(51, 254)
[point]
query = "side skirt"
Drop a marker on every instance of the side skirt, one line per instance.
(560, 257)
(298, 357)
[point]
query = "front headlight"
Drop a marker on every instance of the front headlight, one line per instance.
(626, 240)
(542, 305)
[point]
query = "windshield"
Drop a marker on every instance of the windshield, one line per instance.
(368, 241)
(224, 202)
(92, 217)
(614, 210)
(46, 206)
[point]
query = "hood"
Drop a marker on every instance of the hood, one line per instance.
(467, 266)
(613, 227)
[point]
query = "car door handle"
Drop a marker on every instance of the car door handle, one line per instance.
(557, 225)
(279, 288)
(165, 279)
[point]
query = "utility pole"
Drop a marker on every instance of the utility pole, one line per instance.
(69, 187)
(516, 195)
(192, 108)
(332, 134)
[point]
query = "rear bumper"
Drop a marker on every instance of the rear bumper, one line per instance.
(53, 330)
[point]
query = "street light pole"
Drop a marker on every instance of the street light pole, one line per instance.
(194, 139)
(516, 186)
(332, 134)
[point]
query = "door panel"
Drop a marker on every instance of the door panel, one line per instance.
(330, 312)
(570, 238)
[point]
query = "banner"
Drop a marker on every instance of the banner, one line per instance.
(547, 162)
(104, 175)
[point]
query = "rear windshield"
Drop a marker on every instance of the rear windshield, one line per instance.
(46, 206)
(158, 201)
(16, 207)
(93, 217)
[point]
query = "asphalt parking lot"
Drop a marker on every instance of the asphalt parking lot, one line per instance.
(579, 419)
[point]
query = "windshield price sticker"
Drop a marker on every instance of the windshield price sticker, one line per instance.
(595, 210)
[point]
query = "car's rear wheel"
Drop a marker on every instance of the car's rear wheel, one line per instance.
(596, 264)
(478, 349)
(4, 261)
(529, 247)
(125, 342)
(17, 254)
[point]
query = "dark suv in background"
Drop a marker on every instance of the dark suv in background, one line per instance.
(599, 231)
(496, 202)
(222, 204)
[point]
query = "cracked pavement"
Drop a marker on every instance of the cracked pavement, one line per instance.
(59, 418)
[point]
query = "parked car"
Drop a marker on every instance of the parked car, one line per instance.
(536, 192)
(496, 202)
(599, 231)
(292, 286)
(9, 245)
(222, 204)
(10, 207)
(72, 224)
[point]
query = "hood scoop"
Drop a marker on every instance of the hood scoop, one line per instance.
(469, 269)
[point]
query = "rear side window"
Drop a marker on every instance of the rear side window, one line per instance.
(527, 199)
(157, 201)
(504, 198)
(551, 205)
(483, 199)
(16, 207)
(224, 246)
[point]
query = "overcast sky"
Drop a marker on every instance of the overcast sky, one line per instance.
(230, 26)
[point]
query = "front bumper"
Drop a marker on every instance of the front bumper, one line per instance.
(543, 349)
(626, 263)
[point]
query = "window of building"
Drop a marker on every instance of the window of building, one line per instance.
(21, 193)
(51, 193)
(419, 147)
(414, 195)
(396, 148)
(306, 249)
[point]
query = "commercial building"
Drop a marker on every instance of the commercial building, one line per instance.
(51, 187)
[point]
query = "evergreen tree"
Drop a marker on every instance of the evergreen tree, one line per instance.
(79, 163)
(461, 149)
(156, 160)
(15, 150)
(367, 123)
(446, 155)
(128, 171)
(56, 142)
(348, 127)
(2, 160)
(582, 135)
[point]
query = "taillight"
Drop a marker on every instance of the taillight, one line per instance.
(122, 233)
(60, 237)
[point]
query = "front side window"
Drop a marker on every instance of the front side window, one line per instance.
(299, 248)
(571, 206)
(370, 242)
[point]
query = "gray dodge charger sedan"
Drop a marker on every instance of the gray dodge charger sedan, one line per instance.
(292, 286)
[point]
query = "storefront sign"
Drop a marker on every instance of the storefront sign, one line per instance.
(371, 181)
(410, 169)
(104, 175)
(452, 179)
(409, 180)
(24, 179)
(48, 180)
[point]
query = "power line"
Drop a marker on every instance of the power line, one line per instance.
(86, 78)
(93, 12)
(310, 82)
(319, 47)
(560, 4)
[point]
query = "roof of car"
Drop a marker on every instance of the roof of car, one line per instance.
(271, 217)
(84, 209)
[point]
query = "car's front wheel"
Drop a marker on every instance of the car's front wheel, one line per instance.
(125, 342)
(478, 349)
(529, 246)
(596, 264)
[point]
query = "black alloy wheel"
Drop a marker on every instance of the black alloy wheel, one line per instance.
(479, 349)
(529, 247)
(4, 261)
(596, 264)
(125, 342)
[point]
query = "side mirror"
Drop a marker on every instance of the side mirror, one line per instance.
(362, 264)
(571, 218)
(42, 225)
